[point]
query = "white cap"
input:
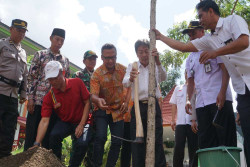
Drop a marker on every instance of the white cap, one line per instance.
(52, 69)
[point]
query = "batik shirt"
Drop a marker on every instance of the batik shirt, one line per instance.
(108, 85)
(38, 87)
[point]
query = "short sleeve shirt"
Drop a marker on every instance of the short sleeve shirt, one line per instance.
(207, 84)
(13, 65)
(238, 65)
(179, 99)
(71, 100)
(109, 86)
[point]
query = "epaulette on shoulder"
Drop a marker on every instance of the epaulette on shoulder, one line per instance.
(3, 39)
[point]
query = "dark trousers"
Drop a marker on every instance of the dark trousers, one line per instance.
(88, 159)
(8, 121)
(183, 132)
(102, 121)
(139, 150)
(243, 108)
(64, 129)
(32, 123)
(208, 134)
(126, 147)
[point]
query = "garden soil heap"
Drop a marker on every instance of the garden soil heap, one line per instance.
(37, 157)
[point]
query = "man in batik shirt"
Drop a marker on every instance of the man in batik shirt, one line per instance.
(107, 94)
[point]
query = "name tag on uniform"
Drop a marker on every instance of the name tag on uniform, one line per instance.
(208, 67)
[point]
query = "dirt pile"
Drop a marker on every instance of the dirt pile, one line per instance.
(37, 157)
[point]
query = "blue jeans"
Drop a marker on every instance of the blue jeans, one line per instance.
(64, 129)
(102, 121)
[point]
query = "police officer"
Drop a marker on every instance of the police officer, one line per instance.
(13, 77)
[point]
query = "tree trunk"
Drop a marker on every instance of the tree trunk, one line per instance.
(150, 151)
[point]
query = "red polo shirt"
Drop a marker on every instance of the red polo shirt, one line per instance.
(71, 100)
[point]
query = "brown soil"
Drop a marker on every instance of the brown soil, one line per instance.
(37, 157)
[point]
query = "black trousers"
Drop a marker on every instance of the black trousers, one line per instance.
(126, 147)
(32, 123)
(208, 134)
(139, 150)
(8, 121)
(243, 108)
(183, 132)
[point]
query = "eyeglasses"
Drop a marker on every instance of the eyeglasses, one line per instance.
(109, 58)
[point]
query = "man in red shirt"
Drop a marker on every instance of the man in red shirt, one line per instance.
(69, 99)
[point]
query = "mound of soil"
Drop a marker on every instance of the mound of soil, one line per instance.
(37, 157)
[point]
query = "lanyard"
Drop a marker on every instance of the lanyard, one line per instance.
(56, 104)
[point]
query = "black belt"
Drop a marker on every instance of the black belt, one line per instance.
(10, 82)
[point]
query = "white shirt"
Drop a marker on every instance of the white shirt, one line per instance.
(143, 79)
(207, 84)
(179, 99)
(238, 64)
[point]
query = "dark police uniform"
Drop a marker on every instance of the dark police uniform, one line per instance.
(13, 70)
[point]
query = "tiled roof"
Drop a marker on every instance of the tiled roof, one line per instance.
(166, 109)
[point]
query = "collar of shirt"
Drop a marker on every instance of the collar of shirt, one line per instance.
(140, 65)
(18, 47)
(56, 55)
(68, 86)
(85, 70)
(218, 26)
(105, 70)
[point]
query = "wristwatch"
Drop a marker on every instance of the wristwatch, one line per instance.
(37, 144)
